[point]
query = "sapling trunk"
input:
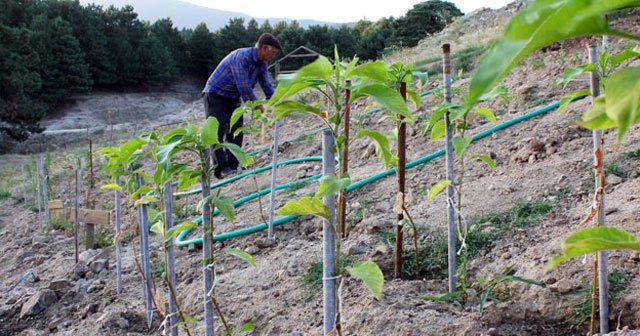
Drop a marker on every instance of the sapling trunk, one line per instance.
(207, 244)
(329, 239)
(169, 259)
(451, 212)
(599, 219)
(400, 175)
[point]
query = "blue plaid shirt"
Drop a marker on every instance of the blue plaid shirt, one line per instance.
(237, 75)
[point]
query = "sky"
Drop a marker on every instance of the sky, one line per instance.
(333, 10)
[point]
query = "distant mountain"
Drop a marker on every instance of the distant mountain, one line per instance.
(187, 15)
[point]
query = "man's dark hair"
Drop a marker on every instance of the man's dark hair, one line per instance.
(269, 39)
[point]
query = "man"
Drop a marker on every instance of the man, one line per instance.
(233, 80)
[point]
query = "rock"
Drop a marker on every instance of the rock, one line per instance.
(112, 320)
(91, 309)
(79, 271)
(381, 250)
(265, 242)
(614, 180)
(98, 265)
(40, 301)
(532, 158)
(609, 211)
(562, 286)
(357, 248)
(22, 255)
(95, 286)
(536, 145)
(59, 285)
(252, 249)
(86, 256)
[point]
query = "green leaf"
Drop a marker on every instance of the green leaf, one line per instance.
(437, 188)
(165, 152)
(247, 327)
(241, 255)
(209, 132)
(624, 56)
(305, 206)
(176, 230)
(283, 109)
(541, 23)
(387, 97)
(285, 90)
(373, 70)
(187, 178)
(564, 101)
(225, 205)
(369, 272)
(173, 135)
(422, 76)
(111, 186)
(158, 229)
(383, 149)
(145, 200)
(571, 73)
(243, 158)
(592, 240)
(331, 185)
(596, 117)
(485, 112)
(320, 68)
(141, 191)
(623, 99)
(237, 115)
(437, 130)
(486, 159)
(460, 144)
(206, 200)
(415, 98)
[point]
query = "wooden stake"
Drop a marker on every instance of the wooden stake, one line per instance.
(329, 239)
(76, 227)
(400, 174)
(274, 175)
(451, 214)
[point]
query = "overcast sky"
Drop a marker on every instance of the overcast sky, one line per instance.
(333, 10)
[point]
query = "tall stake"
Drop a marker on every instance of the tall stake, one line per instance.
(329, 238)
(145, 263)
(400, 174)
(207, 247)
(171, 272)
(118, 215)
(344, 164)
(451, 212)
(45, 187)
(274, 175)
(76, 229)
(38, 177)
(90, 163)
(601, 262)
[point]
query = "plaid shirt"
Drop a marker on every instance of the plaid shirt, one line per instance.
(238, 73)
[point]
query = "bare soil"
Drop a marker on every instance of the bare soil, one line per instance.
(544, 159)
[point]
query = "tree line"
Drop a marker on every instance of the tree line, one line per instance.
(50, 49)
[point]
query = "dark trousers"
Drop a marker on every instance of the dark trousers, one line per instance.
(222, 108)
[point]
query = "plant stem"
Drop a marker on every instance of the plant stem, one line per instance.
(212, 296)
(415, 240)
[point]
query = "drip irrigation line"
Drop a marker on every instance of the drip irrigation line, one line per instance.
(181, 240)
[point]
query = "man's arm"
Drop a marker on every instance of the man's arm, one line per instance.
(265, 83)
(241, 76)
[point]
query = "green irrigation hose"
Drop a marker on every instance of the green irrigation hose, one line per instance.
(198, 241)
(369, 112)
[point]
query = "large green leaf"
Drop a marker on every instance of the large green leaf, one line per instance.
(288, 89)
(387, 97)
(320, 68)
(623, 99)
(331, 185)
(374, 70)
(437, 188)
(592, 240)
(383, 149)
(209, 132)
(146, 200)
(571, 73)
(111, 186)
(242, 255)
(225, 205)
(596, 117)
(438, 130)
(568, 98)
(305, 206)
(624, 56)
(460, 144)
(369, 272)
(187, 178)
(282, 109)
(165, 152)
(176, 230)
(541, 23)
(485, 112)
(173, 135)
(242, 157)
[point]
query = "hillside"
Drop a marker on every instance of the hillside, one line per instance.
(520, 213)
